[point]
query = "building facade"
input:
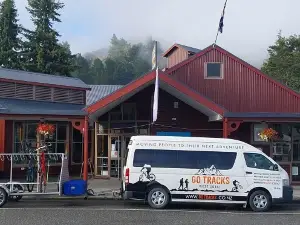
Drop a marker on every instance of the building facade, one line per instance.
(27, 99)
(208, 92)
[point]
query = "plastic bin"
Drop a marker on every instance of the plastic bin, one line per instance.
(75, 188)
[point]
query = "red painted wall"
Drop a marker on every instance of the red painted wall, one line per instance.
(243, 88)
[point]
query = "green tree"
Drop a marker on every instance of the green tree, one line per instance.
(82, 70)
(9, 35)
(283, 63)
(42, 50)
(98, 71)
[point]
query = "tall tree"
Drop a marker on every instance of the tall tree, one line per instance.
(98, 71)
(9, 35)
(42, 51)
(284, 61)
(82, 69)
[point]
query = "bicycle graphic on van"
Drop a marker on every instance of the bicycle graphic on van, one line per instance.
(146, 174)
(236, 186)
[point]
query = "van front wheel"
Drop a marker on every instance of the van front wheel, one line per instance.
(260, 201)
(158, 198)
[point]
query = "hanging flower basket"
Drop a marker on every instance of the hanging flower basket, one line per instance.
(268, 134)
(45, 129)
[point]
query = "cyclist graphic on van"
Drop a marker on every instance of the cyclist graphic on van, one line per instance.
(146, 173)
(236, 186)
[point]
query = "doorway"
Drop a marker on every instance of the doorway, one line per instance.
(111, 152)
(118, 149)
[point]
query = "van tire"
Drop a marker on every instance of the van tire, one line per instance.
(3, 197)
(260, 201)
(158, 198)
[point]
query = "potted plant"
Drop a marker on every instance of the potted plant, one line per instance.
(268, 134)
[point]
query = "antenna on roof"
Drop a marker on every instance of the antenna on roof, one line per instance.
(221, 24)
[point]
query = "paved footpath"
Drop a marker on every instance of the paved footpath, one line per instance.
(90, 212)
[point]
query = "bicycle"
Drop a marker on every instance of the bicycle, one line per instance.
(32, 169)
(42, 167)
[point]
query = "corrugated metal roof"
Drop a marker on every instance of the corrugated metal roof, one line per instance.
(29, 107)
(19, 75)
(98, 92)
(190, 49)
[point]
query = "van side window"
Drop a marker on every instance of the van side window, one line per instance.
(258, 161)
(184, 159)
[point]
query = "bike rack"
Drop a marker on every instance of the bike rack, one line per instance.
(8, 186)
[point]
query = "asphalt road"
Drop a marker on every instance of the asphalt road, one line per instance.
(113, 212)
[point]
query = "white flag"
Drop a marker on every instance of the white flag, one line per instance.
(156, 88)
(155, 98)
(154, 56)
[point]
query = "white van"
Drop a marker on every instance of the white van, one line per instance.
(164, 169)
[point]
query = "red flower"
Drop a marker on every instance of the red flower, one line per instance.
(44, 128)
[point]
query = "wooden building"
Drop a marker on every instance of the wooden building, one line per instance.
(29, 98)
(209, 93)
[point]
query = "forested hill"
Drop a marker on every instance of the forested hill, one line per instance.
(120, 63)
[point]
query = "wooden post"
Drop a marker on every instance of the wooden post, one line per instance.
(86, 148)
(225, 128)
(96, 148)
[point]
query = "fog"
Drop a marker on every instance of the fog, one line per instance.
(249, 26)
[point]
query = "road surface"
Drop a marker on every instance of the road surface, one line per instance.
(113, 212)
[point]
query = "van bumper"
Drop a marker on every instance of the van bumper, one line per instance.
(134, 195)
(287, 195)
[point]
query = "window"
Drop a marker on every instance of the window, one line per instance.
(77, 145)
(258, 161)
(257, 128)
(184, 159)
(26, 130)
(213, 70)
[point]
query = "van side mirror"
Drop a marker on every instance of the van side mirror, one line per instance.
(275, 167)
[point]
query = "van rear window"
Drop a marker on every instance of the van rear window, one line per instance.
(184, 159)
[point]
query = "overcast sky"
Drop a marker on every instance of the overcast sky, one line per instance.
(250, 26)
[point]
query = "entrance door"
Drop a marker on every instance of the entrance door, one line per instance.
(115, 156)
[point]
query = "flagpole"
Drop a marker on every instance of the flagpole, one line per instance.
(156, 85)
(220, 27)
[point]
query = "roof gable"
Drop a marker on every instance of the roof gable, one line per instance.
(236, 59)
(31, 77)
(184, 47)
(174, 86)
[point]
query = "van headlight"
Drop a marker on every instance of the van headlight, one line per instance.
(285, 182)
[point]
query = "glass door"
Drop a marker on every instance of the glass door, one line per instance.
(102, 156)
(115, 156)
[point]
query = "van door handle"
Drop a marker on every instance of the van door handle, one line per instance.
(247, 172)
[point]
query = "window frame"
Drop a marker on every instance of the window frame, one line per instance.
(25, 125)
(214, 77)
(256, 153)
(91, 132)
(178, 165)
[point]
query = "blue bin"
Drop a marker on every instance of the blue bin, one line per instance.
(75, 188)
